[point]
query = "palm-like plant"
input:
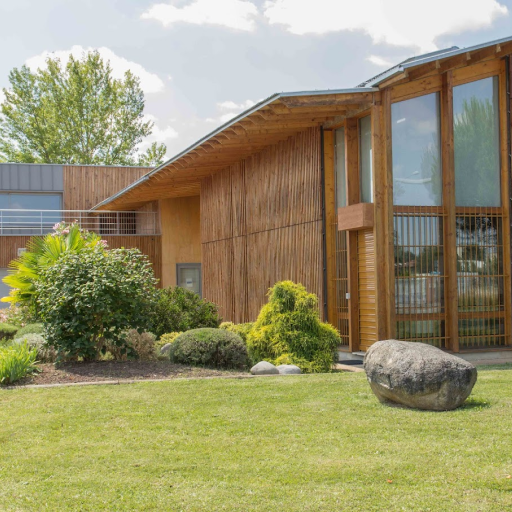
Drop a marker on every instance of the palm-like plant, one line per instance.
(42, 252)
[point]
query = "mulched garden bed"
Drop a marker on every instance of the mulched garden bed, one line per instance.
(119, 371)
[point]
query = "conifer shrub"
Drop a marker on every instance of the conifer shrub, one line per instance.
(215, 348)
(289, 331)
(241, 329)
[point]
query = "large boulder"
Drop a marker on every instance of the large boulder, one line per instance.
(289, 369)
(418, 375)
(264, 368)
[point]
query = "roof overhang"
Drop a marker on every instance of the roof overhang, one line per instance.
(272, 120)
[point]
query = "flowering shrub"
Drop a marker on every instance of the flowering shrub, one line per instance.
(87, 299)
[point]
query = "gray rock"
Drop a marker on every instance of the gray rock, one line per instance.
(418, 375)
(264, 368)
(289, 369)
(165, 349)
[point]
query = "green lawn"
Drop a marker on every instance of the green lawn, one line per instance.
(305, 443)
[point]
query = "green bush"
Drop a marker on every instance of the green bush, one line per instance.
(30, 329)
(241, 329)
(141, 346)
(34, 341)
(16, 362)
(8, 330)
(216, 348)
(289, 331)
(179, 310)
(168, 337)
(88, 299)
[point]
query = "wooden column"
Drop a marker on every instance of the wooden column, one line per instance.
(387, 171)
(450, 237)
(505, 195)
(353, 194)
(330, 224)
(381, 226)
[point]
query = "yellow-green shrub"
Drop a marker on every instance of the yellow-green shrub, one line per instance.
(241, 329)
(289, 331)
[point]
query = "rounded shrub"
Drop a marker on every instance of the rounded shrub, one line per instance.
(37, 342)
(289, 331)
(30, 329)
(216, 348)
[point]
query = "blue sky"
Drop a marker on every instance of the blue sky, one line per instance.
(202, 61)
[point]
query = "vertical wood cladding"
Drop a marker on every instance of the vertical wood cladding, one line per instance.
(261, 223)
(87, 185)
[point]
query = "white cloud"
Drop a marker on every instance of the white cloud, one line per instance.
(235, 14)
(231, 105)
(234, 109)
(160, 134)
(397, 22)
(150, 82)
(379, 61)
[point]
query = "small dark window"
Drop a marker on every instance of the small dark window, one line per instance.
(188, 276)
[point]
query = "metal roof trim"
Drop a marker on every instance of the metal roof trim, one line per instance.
(229, 123)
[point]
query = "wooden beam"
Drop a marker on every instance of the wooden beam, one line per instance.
(449, 223)
(327, 100)
(330, 224)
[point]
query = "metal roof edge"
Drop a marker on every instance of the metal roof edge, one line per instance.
(453, 53)
(229, 123)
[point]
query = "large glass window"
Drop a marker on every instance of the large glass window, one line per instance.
(476, 143)
(416, 152)
(37, 220)
(365, 159)
(341, 178)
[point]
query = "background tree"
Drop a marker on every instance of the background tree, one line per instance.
(76, 114)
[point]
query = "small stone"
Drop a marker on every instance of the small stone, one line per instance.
(165, 349)
(418, 375)
(264, 368)
(289, 369)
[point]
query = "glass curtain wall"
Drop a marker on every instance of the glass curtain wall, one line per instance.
(418, 220)
(479, 216)
(342, 312)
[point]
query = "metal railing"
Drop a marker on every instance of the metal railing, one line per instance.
(41, 222)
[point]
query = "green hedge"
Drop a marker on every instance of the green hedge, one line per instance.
(216, 348)
(8, 331)
(30, 329)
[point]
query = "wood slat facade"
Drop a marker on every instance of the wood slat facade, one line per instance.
(261, 222)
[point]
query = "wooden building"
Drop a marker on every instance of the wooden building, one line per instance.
(34, 197)
(390, 201)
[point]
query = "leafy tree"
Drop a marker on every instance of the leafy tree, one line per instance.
(88, 299)
(76, 114)
(41, 253)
